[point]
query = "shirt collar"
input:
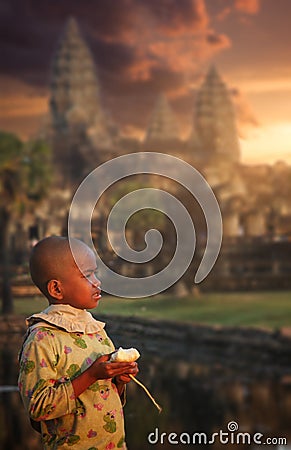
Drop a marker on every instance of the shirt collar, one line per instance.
(69, 318)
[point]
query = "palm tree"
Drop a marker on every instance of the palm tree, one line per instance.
(24, 180)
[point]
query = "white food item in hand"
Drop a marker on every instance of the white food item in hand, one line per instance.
(125, 355)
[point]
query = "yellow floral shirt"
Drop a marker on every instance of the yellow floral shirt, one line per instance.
(62, 343)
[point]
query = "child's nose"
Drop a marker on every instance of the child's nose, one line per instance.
(95, 281)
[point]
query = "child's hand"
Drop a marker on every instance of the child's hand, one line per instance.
(121, 380)
(125, 378)
(102, 369)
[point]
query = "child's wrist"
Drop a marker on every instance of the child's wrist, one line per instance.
(120, 385)
(117, 380)
(92, 373)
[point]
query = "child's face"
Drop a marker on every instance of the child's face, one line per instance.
(81, 289)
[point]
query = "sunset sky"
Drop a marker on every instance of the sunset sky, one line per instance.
(144, 47)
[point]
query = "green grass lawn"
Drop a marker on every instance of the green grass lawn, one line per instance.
(258, 309)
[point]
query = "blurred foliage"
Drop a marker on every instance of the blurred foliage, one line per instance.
(38, 169)
(147, 217)
(25, 172)
(25, 177)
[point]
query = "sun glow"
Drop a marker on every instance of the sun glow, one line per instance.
(268, 144)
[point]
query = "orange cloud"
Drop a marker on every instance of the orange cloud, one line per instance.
(21, 108)
(20, 99)
(246, 119)
(182, 55)
(169, 36)
(248, 6)
(224, 13)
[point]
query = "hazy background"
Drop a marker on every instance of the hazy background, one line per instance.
(144, 47)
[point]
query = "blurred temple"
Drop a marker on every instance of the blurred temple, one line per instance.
(254, 200)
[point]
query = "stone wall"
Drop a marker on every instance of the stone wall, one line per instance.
(254, 264)
(257, 352)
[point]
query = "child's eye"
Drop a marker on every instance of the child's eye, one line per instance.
(91, 274)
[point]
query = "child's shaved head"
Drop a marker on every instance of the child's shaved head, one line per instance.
(50, 258)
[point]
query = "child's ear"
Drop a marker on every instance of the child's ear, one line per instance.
(54, 288)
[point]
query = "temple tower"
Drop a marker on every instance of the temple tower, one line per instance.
(75, 90)
(214, 135)
(79, 125)
(163, 125)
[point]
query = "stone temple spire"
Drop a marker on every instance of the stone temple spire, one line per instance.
(215, 127)
(163, 123)
(74, 84)
(81, 130)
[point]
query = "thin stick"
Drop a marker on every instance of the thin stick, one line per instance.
(147, 392)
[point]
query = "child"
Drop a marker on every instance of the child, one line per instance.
(66, 380)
